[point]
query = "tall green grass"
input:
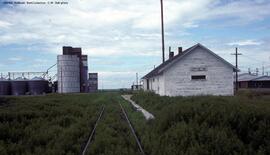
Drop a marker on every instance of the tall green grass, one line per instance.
(206, 124)
(53, 124)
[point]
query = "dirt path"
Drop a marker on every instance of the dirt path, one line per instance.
(145, 113)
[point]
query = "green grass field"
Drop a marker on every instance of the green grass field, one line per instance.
(53, 124)
(205, 125)
(61, 124)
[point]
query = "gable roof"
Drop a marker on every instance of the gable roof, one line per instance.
(252, 77)
(247, 77)
(262, 78)
(158, 70)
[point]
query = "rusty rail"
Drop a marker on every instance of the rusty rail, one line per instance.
(93, 132)
(133, 131)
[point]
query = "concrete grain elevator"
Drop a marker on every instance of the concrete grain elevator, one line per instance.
(72, 69)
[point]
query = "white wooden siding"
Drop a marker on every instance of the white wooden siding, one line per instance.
(219, 76)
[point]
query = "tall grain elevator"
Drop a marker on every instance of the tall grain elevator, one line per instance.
(72, 69)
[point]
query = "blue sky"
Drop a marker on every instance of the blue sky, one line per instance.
(122, 37)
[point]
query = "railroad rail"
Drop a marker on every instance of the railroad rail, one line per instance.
(94, 129)
(93, 132)
(133, 131)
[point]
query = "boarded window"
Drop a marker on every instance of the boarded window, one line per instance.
(198, 77)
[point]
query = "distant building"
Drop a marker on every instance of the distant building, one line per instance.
(93, 82)
(250, 81)
(195, 71)
(136, 87)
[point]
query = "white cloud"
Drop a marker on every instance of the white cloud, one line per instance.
(245, 43)
(15, 59)
(190, 25)
(4, 24)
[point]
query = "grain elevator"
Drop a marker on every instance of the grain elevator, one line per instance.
(72, 71)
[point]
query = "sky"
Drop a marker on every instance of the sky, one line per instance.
(123, 37)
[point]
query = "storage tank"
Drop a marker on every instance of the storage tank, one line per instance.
(38, 86)
(4, 86)
(68, 71)
(19, 86)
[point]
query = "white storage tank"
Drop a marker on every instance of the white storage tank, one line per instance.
(68, 71)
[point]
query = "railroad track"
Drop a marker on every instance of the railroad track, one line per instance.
(129, 123)
(132, 130)
(93, 132)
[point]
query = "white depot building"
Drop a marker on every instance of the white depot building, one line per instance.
(195, 71)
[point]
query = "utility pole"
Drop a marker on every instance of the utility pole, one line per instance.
(263, 69)
(236, 66)
(162, 32)
(257, 71)
(137, 79)
(62, 80)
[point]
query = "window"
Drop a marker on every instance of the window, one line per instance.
(198, 77)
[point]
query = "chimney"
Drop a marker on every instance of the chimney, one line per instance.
(180, 50)
(171, 55)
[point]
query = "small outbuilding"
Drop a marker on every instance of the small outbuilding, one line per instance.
(253, 81)
(135, 87)
(195, 71)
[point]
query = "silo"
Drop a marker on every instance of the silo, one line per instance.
(68, 71)
(38, 86)
(4, 86)
(19, 86)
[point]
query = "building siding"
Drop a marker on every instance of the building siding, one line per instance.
(219, 77)
(156, 85)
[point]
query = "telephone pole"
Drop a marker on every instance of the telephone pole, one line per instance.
(236, 66)
(137, 81)
(263, 68)
(162, 32)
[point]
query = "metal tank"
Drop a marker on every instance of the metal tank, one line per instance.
(68, 71)
(4, 86)
(38, 86)
(19, 86)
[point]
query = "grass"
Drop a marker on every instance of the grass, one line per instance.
(53, 124)
(206, 124)
(113, 135)
(60, 124)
